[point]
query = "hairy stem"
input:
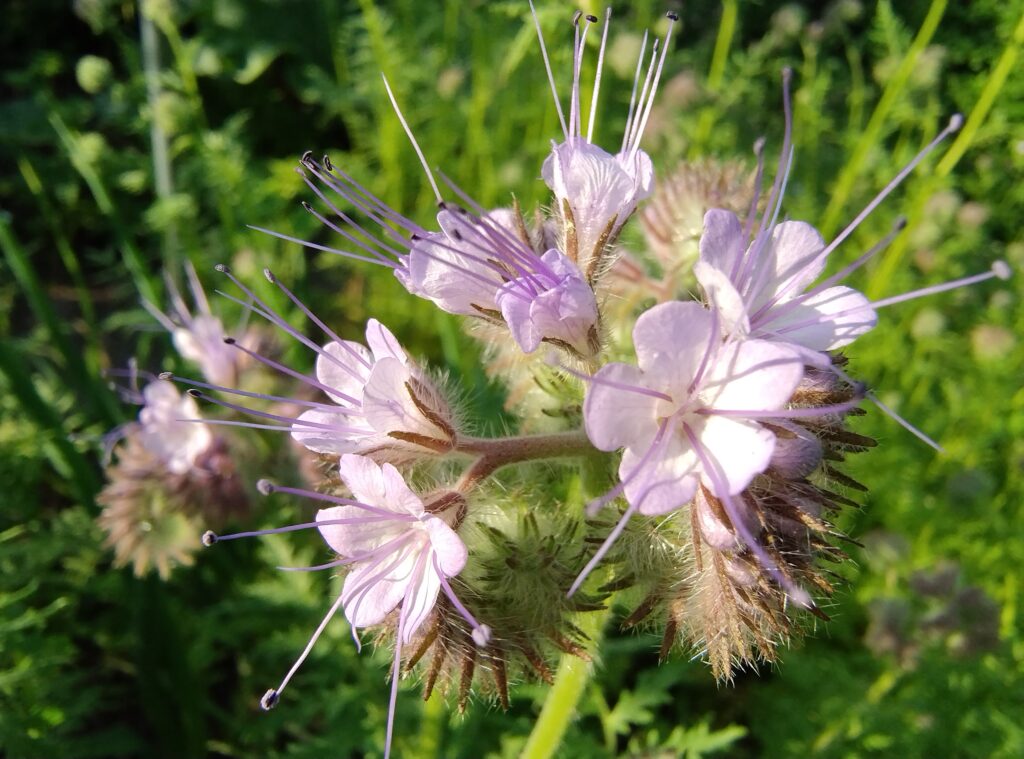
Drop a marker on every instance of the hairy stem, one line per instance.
(494, 453)
(570, 681)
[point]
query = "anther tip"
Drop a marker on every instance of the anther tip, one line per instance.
(307, 156)
(481, 635)
(787, 74)
(229, 341)
(222, 268)
(266, 487)
(307, 206)
(194, 393)
(759, 144)
(672, 16)
(591, 18)
(326, 163)
(270, 276)
(576, 17)
(165, 375)
(955, 122)
(899, 224)
(209, 538)
(269, 700)
(1002, 270)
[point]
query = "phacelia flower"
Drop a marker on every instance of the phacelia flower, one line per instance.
(400, 554)
(198, 338)
(382, 402)
(168, 428)
(480, 264)
(595, 191)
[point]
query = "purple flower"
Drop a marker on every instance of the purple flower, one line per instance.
(165, 429)
(596, 191)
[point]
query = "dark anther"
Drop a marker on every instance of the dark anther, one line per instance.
(591, 19)
(229, 341)
(327, 163)
(308, 207)
(306, 157)
(209, 538)
(414, 237)
(672, 16)
(194, 393)
(455, 235)
(266, 487)
(576, 17)
(269, 700)
(165, 375)
(270, 276)
(901, 223)
(222, 268)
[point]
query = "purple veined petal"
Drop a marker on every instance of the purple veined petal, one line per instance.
(163, 433)
(372, 590)
(724, 298)
(382, 343)
(671, 340)
(721, 242)
(455, 283)
(387, 405)
(667, 481)
(829, 320)
(790, 262)
(340, 370)
(752, 374)
(421, 594)
(351, 532)
(321, 440)
(615, 417)
(450, 551)
(376, 485)
(743, 450)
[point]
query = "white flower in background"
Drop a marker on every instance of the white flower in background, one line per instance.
(164, 431)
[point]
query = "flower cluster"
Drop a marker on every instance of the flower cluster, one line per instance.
(722, 420)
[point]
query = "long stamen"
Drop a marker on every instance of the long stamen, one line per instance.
(632, 98)
(602, 551)
(284, 369)
(412, 139)
(642, 100)
(786, 413)
(261, 396)
(324, 248)
(481, 633)
(345, 344)
(210, 537)
(271, 697)
(196, 287)
(266, 488)
(712, 347)
(999, 270)
(547, 67)
(598, 503)
(748, 225)
(597, 76)
(642, 124)
(798, 594)
(955, 122)
(616, 385)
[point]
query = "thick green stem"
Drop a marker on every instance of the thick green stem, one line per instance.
(571, 680)
(494, 453)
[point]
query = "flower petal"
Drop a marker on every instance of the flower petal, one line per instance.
(372, 590)
(388, 405)
(721, 242)
(342, 371)
(451, 552)
(831, 319)
(420, 597)
(382, 343)
(365, 533)
(667, 480)
(616, 418)
(754, 375)
(739, 448)
(316, 438)
(790, 262)
(380, 486)
(724, 298)
(670, 340)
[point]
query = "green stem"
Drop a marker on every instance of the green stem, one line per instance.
(571, 680)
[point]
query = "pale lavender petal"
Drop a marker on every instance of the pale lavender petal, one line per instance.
(721, 242)
(342, 371)
(667, 481)
(378, 486)
(670, 341)
(420, 597)
(791, 262)
(743, 449)
(829, 320)
(369, 598)
(323, 440)
(615, 418)
(387, 404)
(724, 298)
(752, 375)
(382, 343)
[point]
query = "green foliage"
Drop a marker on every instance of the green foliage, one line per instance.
(134, 153)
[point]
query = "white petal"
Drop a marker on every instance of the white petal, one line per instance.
(387, 404)
(667, 480)
(343, 372)
(670, 340)
(451, 552)
(790, 262)
(373, 589)
(449, 273)
(324, 440)
(380, 486)
(831, 319)
(365, 534)
(752, 375)
(421, 597)
(616, 418)
(382, 343)
(740, 449)
(724, 298)
(721, 242)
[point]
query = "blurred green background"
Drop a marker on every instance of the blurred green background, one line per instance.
(134, 136)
